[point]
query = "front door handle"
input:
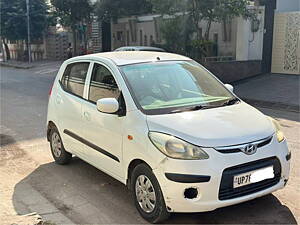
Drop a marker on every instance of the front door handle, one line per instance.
(87, 116)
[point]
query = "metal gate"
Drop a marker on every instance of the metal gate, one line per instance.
(286, 43)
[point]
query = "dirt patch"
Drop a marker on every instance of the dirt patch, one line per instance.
(6, 139)
(9, 150)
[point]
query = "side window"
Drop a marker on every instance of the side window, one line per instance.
(74, 78)
(103, 84)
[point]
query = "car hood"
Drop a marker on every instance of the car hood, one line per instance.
(222, 126)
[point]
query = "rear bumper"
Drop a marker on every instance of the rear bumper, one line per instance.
(209, 197)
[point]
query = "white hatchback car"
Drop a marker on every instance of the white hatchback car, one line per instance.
(166, 127)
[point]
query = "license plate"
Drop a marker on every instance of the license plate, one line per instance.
(253, 177)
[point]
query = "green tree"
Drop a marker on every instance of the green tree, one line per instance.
(113, 9)
(13, 19)
(196, 10)
(74, 14)
(204, 10)
(177, 34)
(226, 10)
(169, 7)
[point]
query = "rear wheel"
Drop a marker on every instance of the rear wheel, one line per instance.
(147, 195)
(60, 155)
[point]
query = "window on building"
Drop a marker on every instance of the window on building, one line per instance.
(127, 38)
(151, 40)
(102, 85)
(74, 78)
(141, 37)
(119, 35)
(216, 38)
(145, 40)
(226, 29)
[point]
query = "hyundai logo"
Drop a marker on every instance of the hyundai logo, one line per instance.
(249, 149)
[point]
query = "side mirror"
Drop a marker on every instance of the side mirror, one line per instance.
(108, 105)
(229, 87)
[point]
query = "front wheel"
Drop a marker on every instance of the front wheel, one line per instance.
(147, 195)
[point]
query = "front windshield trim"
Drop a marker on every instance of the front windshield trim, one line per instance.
(167, 110)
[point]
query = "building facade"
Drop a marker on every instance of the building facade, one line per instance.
(287, 6)
(243, 41)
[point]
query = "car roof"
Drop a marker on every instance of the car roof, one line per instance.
(140, 48)
(134, 57)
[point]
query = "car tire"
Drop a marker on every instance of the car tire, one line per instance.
(147, 195)
(60, 155)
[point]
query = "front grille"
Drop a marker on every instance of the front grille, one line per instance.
(238, 148)
(227, 191)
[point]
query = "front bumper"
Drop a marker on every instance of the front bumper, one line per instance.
(209, 174)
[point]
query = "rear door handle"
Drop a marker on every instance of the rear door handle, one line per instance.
(87, 116)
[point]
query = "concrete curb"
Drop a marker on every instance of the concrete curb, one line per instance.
(16, 66)
(273, 105)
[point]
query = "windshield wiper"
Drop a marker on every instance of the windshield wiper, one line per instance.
(199, 107)
(190, 108)
(231, 101)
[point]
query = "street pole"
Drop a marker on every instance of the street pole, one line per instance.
(28, 32)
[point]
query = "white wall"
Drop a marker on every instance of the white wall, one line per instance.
(288, 5)
(249, 45)
(242, 46)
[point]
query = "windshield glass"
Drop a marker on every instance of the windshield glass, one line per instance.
(162, 87)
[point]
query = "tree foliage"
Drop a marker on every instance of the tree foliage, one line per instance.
(204, 10)
(72, 12)
(13, 15)
(75, 14)
(226, 10)
(169, 7)
(177, 34)
(113, 9)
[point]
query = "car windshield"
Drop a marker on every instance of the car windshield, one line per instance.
(174, 86)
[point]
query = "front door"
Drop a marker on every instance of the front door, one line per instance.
(103, 132)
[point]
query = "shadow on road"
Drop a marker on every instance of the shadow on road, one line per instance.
(292, 116)
(264, 210)
(87, 195)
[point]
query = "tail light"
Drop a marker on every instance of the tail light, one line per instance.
(50, 91)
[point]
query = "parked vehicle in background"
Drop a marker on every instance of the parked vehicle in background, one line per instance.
(139, 48)
(167, 128)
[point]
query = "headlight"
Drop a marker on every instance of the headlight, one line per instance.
(279, 133)
(175, 148)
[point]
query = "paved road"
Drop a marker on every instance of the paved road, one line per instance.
(24, 97)
(272, 88)
(78, 193)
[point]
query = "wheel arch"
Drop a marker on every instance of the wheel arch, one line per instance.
(133, 163)
(50, 125)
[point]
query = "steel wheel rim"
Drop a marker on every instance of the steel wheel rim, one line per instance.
(56, 145)
(145, 193)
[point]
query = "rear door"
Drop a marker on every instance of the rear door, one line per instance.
(69, 105)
